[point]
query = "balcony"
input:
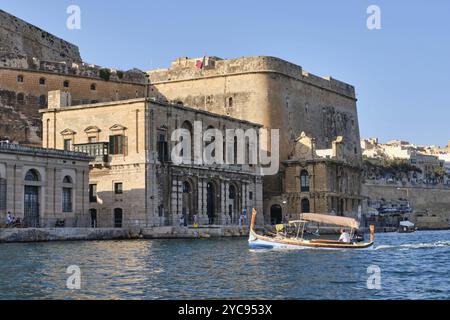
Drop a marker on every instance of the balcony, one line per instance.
(98, 150)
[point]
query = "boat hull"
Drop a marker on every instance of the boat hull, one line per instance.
(262, 242)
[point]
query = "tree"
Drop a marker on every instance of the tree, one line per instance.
(105, 74)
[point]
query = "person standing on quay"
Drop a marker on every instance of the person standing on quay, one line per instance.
(182, 220)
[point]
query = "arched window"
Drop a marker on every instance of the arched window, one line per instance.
(67, 179)
(20, 78)
(93, 87)
(67, 194)
(188, 154)
(305, 206)
(32, 175)
(186, 187)
(304, 181)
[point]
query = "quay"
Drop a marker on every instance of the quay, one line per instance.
(131, 233)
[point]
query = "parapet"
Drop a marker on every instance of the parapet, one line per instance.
(204, 67)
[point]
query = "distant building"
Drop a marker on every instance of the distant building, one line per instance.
(428, 159)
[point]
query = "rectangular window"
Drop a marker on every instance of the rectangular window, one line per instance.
(92, 139)
(118, 188)
(250, 195)
(67, 144)
(67, 199)
(162, 147)
(116, 144)
(92, 193)
(161, 211)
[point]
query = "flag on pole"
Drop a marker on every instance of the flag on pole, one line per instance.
(199, 64)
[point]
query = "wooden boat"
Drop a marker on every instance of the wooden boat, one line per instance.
(297, 241)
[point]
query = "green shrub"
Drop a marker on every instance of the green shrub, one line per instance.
(105, 74)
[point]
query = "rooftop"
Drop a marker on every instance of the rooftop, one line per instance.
(197, 68)
(151, 100)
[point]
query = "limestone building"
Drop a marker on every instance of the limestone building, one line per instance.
(264, 90)
(133, 180)
(42, 186)
(317, 180)
(279, 95)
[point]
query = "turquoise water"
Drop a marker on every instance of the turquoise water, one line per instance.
(413, 266)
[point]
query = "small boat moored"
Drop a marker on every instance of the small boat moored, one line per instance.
(297, 241)
(406, 227)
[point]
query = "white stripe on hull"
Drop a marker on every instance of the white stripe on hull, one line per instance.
(256, 243)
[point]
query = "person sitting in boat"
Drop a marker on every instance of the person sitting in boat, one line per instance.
(345, 237)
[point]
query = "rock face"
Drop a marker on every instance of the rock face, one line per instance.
(20, 37)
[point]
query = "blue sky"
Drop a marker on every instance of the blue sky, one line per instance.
(401, 72)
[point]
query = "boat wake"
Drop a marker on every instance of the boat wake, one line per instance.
(406, 246)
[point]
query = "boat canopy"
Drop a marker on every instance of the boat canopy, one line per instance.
(330, 219)
(407, 224)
